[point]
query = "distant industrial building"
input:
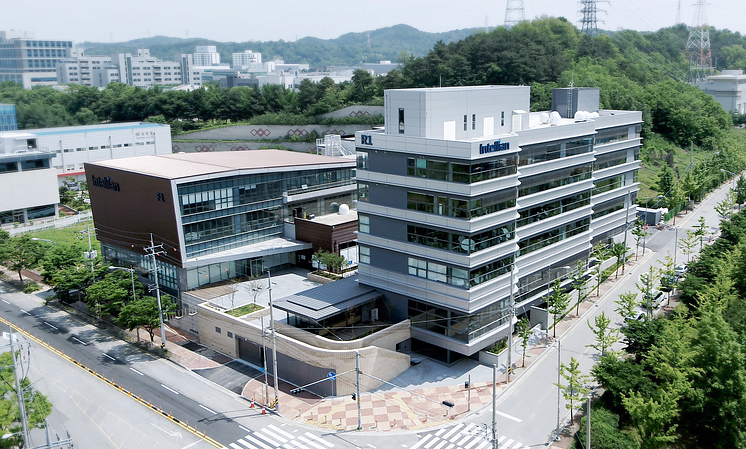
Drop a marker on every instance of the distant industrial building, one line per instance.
(206, 55)
(8, 118)
(245, 59)
(729, 89)
(81, 70)
(30, 61)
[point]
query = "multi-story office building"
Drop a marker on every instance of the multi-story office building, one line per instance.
(72, 146)
(245, 59)
(30, 61)
(466, 199)
(206, 55)
(80, 70)
(143, 70)
(217, 215)
(27, 181)
(8, 117)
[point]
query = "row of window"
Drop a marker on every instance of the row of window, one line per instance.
(536, 242)
(457, 325)
(458, 208)
(542, 153)
(59, 44)
(608, 211)
(575, 175)
(547, 210)
(35, 164)
(45, 53)
(458, 277)
(600, 165)
(609, 184)
(42, 63)
(462, 173)
(459, 243)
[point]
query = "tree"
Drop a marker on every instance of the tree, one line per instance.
(598, 272)
(724, 207)
(688, 244)
(605, 335)
(579, 280)
(575, 389)
(653, 419)
(645, 286)
(363, 85)
(700, 230)
(58, 258)
(557, 303)
(21, 253)
(524, 333)
(626, 304)
(253, 287)
(640, 233)
(143, 313)
(37, 405)
(741, 190)
(619, 250)
(108, 295)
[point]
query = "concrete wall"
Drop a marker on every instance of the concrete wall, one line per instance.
(259, 132)
(209, 146)
(354, 111)
(338, 357)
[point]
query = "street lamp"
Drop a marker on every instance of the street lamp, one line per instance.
(274, 342)
(734, 177)
(134, 296)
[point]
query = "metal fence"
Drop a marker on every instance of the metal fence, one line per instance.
(51, 224)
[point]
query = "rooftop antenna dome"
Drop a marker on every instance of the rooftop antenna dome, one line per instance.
(344, 209)
(555, 118)
(544, 118)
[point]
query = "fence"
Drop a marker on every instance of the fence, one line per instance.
(51, 224)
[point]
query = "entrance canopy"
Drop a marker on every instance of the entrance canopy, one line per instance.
(328, 300)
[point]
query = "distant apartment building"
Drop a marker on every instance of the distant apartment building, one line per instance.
(206, 55)
(729, 89)
(30, 61)
(245, 59)
(8, 118)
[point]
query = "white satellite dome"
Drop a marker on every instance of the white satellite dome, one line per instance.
(594, 114)
(544, 118)
(555, 118)
(581, 116)
(344, 209)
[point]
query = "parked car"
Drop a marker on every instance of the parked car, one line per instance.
(637, 315)
(669, 282)
(680, 270)
(653, 298)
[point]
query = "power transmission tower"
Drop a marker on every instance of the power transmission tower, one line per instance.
(678, 14)
(589, 22)
(698, 51)
(514, 13)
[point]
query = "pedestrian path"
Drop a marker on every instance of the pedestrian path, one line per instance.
(465, 436)
(272, 437)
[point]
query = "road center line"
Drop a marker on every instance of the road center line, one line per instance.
(170, 389)
(211, 411)
(138, 372)
(80, 341)
(6, 302)
(52, 326)
(107, 355)
(23, 311)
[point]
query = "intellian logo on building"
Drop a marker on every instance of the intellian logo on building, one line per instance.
(494, 147)
(105, 183)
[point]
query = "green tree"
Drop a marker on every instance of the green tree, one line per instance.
(524, 333)
(21, 253)
(646, 286)
(597, 273)
(575, 388)
(724, 208)
(557, 303)
(619, 250)
(363, 86)
(626, 304)
(700, 230)
(653, 419)
(107, 296)
(605, 335)
(640, 233)
(689, 244)
(37, 405)
(741, 190)
(579, 281)
(143, 313)
(58, 258)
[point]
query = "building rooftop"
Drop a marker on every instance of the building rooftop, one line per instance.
(336, 218)
(328, 300)
(185, 165)
(90, 128)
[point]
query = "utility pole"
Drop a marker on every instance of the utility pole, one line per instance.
(90, 255)
(274, 343)
(559, 388)
(357, 385)
(494, 406)
(510, 325)
(154, 250)
(264, 357)
(19, 391)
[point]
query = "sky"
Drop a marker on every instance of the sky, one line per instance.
(251, 20)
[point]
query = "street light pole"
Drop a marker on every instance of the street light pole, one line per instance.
(494, 406)
(274, 342)
(511, 315)
(559, 388)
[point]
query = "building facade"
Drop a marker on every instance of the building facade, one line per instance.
(729, 89)
(142, 70)
(80, 70)
(245, 59)
(216, 215)
(465, 199)
(206, 55)
(8, 117)
(30, 61)
(72, 146)
(27, 180)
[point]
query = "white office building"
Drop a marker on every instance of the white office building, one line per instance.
(206, 55)
(243, 60)
(729, 89)
(30, 61)
(80, 70)
(465, 197)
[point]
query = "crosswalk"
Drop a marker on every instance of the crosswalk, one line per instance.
(272, 437)
(465, 436)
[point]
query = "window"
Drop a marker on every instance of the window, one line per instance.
(401, 121)
(363, 224)
(364, 254)
(502, 118)
(362, 160)
(363, 192)
(464, 122)
(473, 122)
(217, 329)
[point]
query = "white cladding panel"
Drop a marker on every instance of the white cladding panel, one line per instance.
(28, 189)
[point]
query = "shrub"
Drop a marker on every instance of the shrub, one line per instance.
(31, 287)
(605, 432)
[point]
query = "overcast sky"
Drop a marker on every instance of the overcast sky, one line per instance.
(247, 20)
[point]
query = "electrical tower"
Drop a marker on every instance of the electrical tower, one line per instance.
(589, 22)
(514, 13)
(698, 51)
(678, 14)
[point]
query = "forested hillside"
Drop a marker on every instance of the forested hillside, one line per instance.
(348, 49)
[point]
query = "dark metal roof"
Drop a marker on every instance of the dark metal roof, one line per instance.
(328, 300)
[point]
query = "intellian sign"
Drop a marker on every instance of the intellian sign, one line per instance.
(494, 147)
(105, 183)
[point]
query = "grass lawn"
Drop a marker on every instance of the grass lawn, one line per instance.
(69, 236)
(244, 310)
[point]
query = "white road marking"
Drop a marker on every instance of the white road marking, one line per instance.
(440, 446)
(23, 311)
(483, 445)
(235, 446)
(202, 406)
(244, 429)
(472, 443)
(138, 372)
(452, 431)
(513, 418)
(422, 441)
(270, 438)
(52, 326)
(190, 445)
(6, 302)
(107, 355)
(281, 432)
(255, 441)
(170, 389)
(80, 341)
(319, 440)
(505, 446)
(244, 443)
(169, 432)
(309, 442)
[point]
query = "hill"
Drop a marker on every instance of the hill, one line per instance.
(351, 48)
